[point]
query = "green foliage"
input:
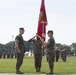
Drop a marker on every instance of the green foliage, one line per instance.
(2, 48)
(28, 45)
(74, 45)
(11, 45)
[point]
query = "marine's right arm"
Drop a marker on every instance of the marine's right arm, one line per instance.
(31, 40)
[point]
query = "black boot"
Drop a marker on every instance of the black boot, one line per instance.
(51, 72)
(37, 69)
(19, 72)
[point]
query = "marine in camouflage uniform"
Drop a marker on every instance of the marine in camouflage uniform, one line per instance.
(57, 54)
(37, 50)
(20, 49)
(64, 55)
(50, 51)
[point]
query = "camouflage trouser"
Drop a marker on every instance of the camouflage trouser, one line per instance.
(57, 57)
(19, 62)
(51, 57)
(64, 57)
(38, 60)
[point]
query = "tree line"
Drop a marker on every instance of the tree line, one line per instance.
(9, 48)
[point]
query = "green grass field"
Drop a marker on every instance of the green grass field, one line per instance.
(69, 67)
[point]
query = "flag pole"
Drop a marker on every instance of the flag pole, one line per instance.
(43, 35)
(42, 22)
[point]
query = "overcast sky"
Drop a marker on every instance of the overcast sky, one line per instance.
(61, 15)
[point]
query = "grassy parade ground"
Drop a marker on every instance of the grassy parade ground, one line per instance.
(69, 67)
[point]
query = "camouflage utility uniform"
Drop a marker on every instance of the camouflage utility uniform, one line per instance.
(50, 52)
(37, 50)
(64, 55)
(57, 55)
(20, 56)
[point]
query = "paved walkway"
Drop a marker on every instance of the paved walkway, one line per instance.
(34, 74)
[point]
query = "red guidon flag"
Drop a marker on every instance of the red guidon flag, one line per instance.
(42, 22)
